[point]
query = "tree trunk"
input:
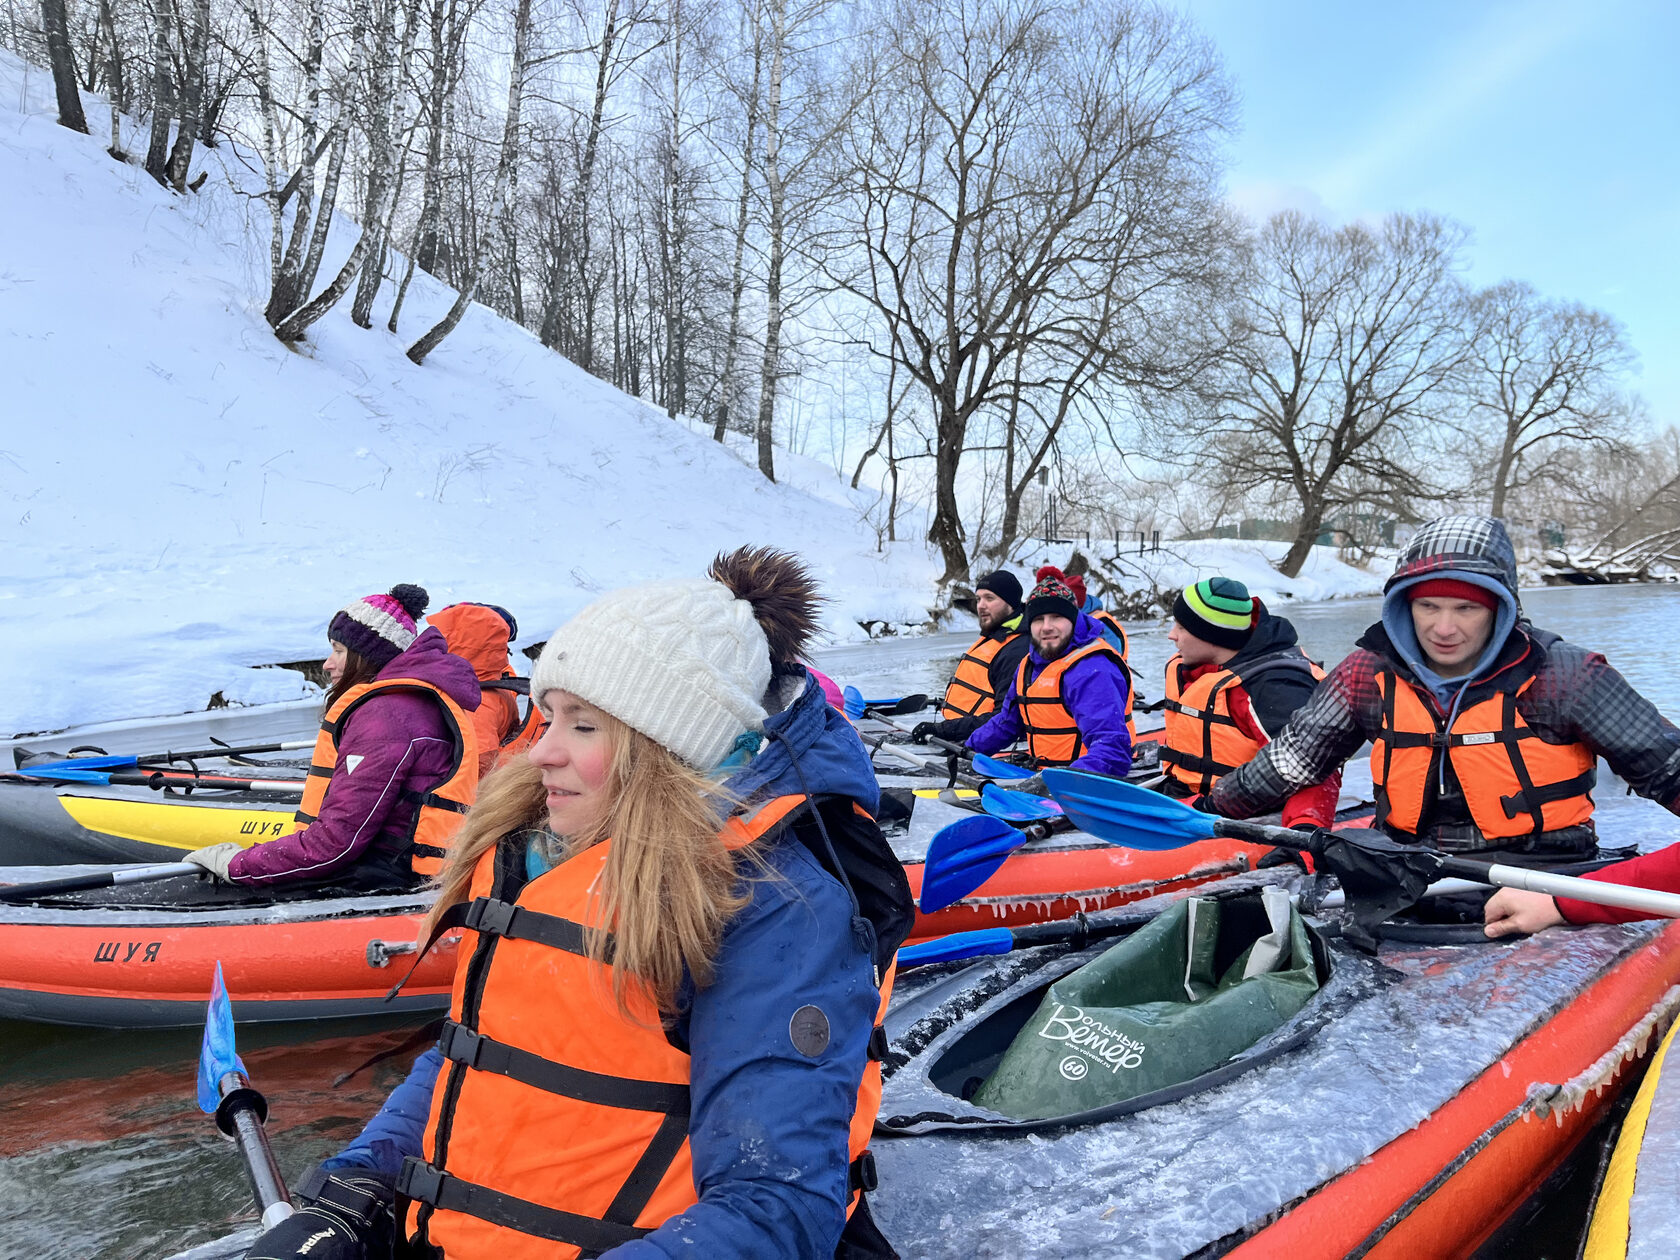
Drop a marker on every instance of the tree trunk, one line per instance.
(157, 152)
(502, 196)
(1306, 537)
(390, 81)
(192, 96)
(337, 134)
(114, 83)
(773, 282)
(738, 274)
(55, 21)
(287, 292)
(946, 530)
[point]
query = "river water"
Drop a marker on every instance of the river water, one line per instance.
(103, 1151)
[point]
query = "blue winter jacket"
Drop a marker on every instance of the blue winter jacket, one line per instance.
(1095, 692)
(768, 1126)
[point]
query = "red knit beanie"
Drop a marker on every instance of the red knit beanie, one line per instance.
(1452, 588)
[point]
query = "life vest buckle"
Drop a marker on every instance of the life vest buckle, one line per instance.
(862, 1174)
(491, 916)
(419, 1181)
(460, 1044)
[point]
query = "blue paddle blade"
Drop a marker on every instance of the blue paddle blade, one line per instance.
(78, 775)
(216, 1056)
(1124, 814)
(55, 769)
(1016, 806)
(854, 703)
(963, 856)
(992, 768)
(957, 946)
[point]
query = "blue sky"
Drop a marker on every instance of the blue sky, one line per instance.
(1552, 130)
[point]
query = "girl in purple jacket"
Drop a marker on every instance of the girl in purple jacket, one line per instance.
(389, 740)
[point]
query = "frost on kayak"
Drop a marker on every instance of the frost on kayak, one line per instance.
(1171, 1180)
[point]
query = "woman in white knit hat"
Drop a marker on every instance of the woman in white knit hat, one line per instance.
(680, 925)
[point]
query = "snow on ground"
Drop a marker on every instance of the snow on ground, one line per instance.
(1163, 573)
(182, 497)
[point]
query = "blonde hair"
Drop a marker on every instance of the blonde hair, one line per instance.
(669, 886)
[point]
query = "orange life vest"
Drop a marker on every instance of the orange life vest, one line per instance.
(528, 724)
(1111, 626)
(1515, 783)
(1053, 737)
(970, 692)
(559, 1128)
(1203, 741)
(438, 811)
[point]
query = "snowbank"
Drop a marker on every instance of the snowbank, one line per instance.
(1142, 584)
(183, 498)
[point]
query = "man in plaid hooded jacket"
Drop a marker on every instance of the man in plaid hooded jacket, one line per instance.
(1455, 679)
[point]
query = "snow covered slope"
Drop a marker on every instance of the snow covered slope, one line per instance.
(181, 497)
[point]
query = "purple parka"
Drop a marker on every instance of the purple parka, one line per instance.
(392, 744)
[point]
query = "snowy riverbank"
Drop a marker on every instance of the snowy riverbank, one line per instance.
(185, 498)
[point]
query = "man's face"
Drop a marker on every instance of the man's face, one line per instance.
(1452, 633)
(1194, 651)
(990, 611)
(1051, 634)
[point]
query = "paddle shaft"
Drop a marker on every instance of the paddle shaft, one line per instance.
(242, 1105)
(103, 879)
(1621, 896)
(206, 754)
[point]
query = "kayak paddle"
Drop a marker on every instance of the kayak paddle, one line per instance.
(103, 762)
(224, 1091)
(967, 853)
(157, 780)
(1014, 806)
(1380, 876)
(1078, 931)
(856, 706)
(103, 879)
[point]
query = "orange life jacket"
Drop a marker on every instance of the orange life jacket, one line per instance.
(439, 810)
(559, 1127)
(1053, 737)
(1203, 741)
(528, 724)
(1111, 626)
(1515, 783)
(970, 692)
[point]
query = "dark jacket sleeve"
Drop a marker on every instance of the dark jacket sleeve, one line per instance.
(398, 1129)
(770, 1123)
(389, 743)
(1315, 741)
(1579, 696)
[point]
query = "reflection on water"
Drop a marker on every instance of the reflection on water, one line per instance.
(103, 1151)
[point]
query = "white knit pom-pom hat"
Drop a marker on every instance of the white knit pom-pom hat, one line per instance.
(685, 663)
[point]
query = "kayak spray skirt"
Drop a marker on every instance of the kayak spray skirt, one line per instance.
(1203, 982)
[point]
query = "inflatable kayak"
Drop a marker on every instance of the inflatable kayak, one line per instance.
(142, 957)
(43, 824)
(1637, 1212)
(1412, 1105)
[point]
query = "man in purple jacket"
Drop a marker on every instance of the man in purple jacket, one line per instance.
(392, 747)
(1076, 684)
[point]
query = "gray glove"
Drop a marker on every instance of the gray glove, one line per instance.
(347, 1217)
(215, 858)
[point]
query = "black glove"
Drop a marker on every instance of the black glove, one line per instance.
(920, 732)
(1202, 803)
(1281, 857)
(347, 1216)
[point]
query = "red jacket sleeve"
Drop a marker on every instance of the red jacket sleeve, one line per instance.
(1659, 870)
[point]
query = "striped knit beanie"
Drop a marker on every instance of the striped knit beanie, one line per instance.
(1217, 610)
(379, 628)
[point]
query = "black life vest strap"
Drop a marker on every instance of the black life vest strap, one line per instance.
(495, 917)
(413, 797)
(1196, 765)
(484, 1054)
(445, 1192)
